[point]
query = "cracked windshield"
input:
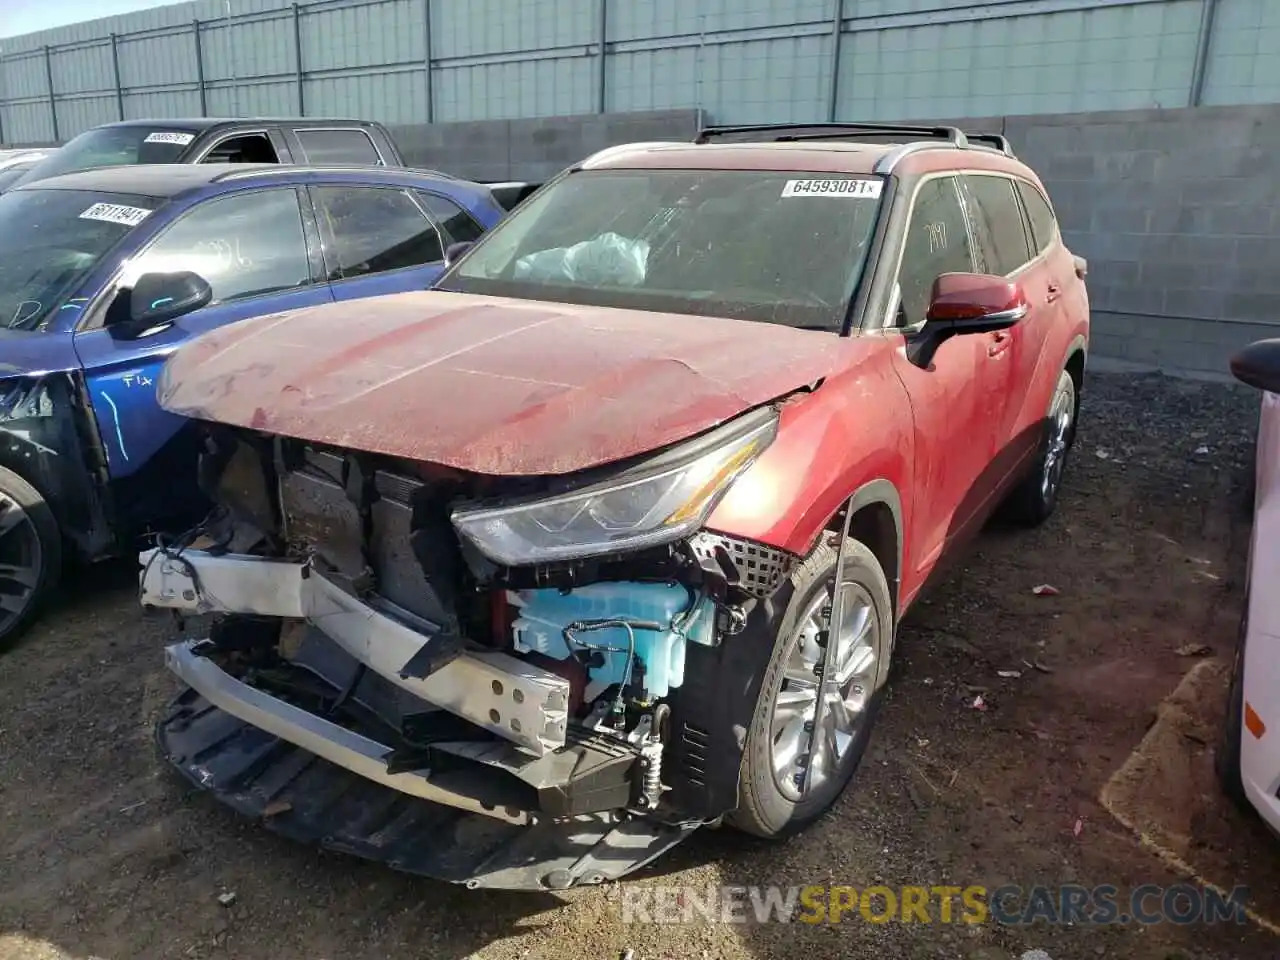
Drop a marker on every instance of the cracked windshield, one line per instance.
(50, 240)
(720, 243)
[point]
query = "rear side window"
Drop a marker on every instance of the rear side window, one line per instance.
(1043, 223)
(373, 230)
(457, 223)
(338, 146)
(937, 243)
(247, 148)
(1001, 230)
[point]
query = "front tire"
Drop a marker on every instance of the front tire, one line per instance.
(782, 744)
(30, 555)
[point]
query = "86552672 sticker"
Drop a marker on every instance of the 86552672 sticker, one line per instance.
(834, 187)
(116, 213)
(170, 136)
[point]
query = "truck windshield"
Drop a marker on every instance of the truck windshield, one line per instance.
(112, 147)
(50, 240)
(772, 247)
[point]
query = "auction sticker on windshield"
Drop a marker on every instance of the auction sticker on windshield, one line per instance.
(844, 187)
(116, 213)
(170, 136)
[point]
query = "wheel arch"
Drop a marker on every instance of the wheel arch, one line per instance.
(875, 510)
(1077, 353)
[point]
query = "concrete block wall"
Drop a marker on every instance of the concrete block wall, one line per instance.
(533, 150)
(1178, 212)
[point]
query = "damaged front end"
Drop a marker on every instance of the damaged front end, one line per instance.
(47, 438)
(523, 683)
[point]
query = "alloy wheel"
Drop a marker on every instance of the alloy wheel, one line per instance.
(1055, 458)
(847, 693)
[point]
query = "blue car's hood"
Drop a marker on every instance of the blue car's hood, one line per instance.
(24, 353)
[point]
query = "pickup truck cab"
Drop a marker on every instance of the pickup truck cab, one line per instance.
(210, 140)
(104, 273)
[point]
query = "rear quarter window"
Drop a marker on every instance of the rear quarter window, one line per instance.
(338, 146)
(1003, 235)
(457, 223)
(1044, 225)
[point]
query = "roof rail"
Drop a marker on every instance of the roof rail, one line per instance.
(997, 140)
(920, 135)
(835, 131)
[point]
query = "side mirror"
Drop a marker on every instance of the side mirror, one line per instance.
(453, 253)
(967, 303)
(1258, 365)
(976, 303)
(156, 300)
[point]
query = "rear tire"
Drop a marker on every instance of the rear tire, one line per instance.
(770, 802)
(1032, 502)
(30, 555)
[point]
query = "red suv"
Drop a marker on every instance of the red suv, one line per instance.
(520, 580)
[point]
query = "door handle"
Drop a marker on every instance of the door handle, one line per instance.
(1000, 342)
(1052, 293)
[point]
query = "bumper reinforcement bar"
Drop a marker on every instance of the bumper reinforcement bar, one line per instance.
(503, 694)
(325, 739)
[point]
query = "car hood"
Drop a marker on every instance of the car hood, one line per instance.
(489, 385)
(32, 353)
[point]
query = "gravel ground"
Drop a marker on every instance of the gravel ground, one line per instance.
(102, 854)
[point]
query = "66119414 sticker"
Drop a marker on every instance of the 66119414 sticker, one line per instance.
(116, 213)
(834, 187)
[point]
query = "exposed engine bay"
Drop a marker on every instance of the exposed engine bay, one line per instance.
(393, 670)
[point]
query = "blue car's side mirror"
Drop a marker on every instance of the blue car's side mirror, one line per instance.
(156, 300)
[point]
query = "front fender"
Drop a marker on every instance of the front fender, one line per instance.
(852, 436)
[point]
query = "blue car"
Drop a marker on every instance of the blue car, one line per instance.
(104, 273)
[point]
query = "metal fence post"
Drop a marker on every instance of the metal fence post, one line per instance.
(297, 58)
(115, 72)
(602, 63)
(53, 100)
(837, 29)
(426, 56)
(204, 103)
(1204, 40)
(3, 99)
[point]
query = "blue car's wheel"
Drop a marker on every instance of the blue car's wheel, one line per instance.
(30, 554)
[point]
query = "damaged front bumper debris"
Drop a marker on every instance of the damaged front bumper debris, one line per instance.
(503, 682)
(348, 742)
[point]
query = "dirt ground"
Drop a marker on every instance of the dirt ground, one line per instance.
(104, 855)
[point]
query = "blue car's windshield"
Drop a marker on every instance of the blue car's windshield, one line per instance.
(112, 147)
(756, 245)
(50, 240)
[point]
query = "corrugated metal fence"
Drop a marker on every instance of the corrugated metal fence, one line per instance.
(415, 61)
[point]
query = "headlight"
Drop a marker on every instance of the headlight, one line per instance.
(657, 502)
